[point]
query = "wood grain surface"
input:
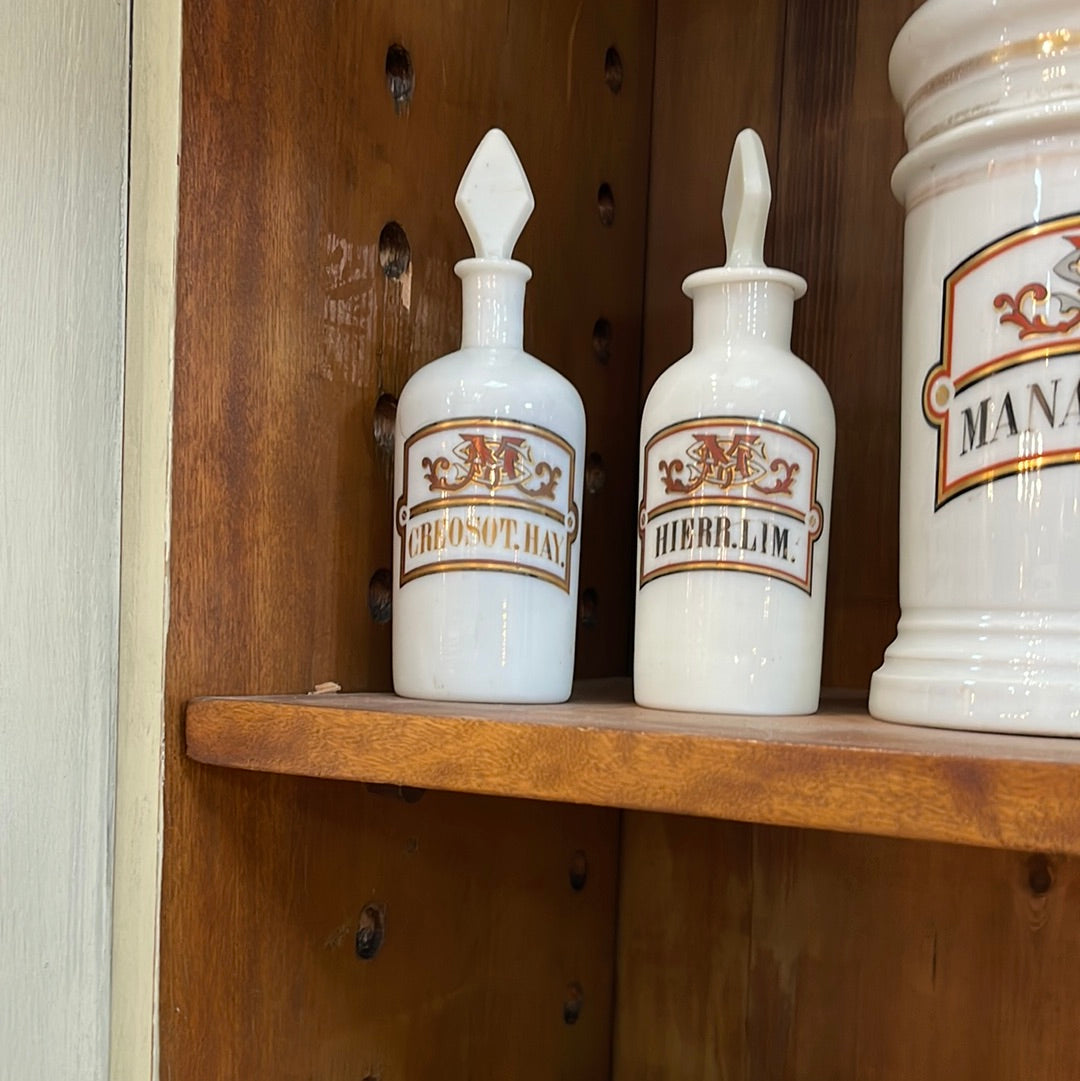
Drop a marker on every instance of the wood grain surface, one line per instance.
(766, 954)
(838, 225)
(839, 769)
(744, 951)
(684, 949)
(295, 156)
(865, 957)
(719, 69)
(882, 958)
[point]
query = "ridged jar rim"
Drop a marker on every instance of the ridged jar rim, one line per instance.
(740, 275)
(974, 56)
(1048, 120)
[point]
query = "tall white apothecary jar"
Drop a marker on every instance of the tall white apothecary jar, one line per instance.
(989, 636)
(735, 486)
(488, 481)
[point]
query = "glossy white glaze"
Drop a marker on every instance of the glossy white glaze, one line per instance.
(990, 416)
(731, 577)
(488, 470)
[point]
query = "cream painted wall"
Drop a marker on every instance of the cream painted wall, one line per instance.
(63, 190)
(151, 306)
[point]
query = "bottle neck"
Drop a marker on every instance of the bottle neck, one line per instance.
(743, 309)
(492, 302)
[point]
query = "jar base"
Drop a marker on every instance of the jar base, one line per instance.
(984, 672)
(490, 695)
(723, 704)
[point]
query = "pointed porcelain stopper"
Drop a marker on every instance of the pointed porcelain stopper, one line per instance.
(747, 199)
(494, 198)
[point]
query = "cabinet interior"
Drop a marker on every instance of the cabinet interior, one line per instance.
(332, 930)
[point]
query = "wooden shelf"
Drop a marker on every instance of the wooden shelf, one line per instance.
(838, 770)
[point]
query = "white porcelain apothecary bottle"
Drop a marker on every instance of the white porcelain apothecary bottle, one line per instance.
(488, 480)
(736, 460)
(989, 636)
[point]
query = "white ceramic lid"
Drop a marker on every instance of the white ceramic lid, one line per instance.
(957, 61)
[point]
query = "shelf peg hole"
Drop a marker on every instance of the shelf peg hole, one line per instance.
(400, 79)
(579, 871)
(370, 931)
(382, 424)
(605, 204)
(601, 340)
(380, 595)
(1040, 874)
(405, 793)
(594, 473)
(571, 1010)
(613, 69)
(394, 251)
(587, 606)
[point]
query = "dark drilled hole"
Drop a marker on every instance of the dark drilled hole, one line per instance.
(382, 423)
(380, 595)
(1040, 875)
(370, 932)
(587, 606)
(594, 473)
(579, 870)
(571, 1010)
(613, 72)
(394, 251)
(403, 792)
(601, 340)
(399, 75)
(605, 204)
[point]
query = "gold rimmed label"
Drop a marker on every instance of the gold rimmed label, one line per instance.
(481, 494)
(1004, 398)
(729, 494)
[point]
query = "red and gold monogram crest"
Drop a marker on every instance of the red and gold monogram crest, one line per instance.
(505, 461)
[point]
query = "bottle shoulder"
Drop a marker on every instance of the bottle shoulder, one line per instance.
(496, 382)
(755, 380)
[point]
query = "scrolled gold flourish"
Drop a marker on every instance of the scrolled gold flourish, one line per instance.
(437, 474)
(784, 485)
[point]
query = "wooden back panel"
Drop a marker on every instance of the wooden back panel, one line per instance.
(747, 952)
(767, 954)
(295, 158)
(743, 952)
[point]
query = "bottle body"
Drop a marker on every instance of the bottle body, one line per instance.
(736, 455)
(488, 467)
